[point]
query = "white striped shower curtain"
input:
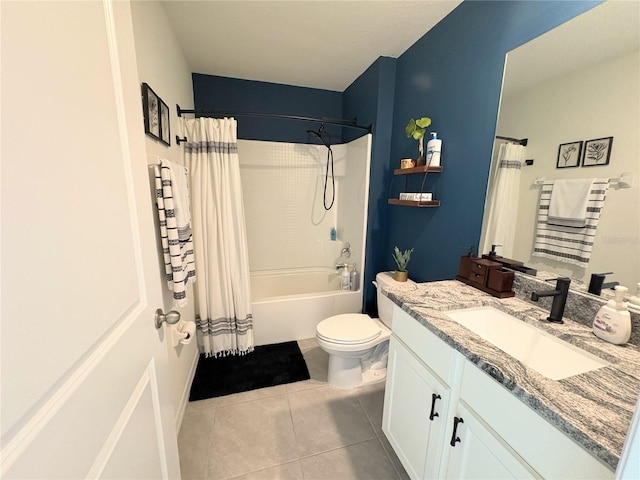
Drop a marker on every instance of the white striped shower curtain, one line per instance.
(502, 201)
(223, 297)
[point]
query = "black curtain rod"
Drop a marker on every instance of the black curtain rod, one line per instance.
(331, 121)
(522, 142)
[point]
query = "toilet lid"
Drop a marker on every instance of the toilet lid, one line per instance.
(348, 328)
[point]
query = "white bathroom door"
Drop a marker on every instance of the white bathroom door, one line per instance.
(84, 384)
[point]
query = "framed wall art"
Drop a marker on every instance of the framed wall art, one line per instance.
(569, 154)
(165, 131)
(597, 152)
(150, 105)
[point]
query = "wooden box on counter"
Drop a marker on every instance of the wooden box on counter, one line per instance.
(486, 275)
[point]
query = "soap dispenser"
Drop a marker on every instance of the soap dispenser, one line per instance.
(613, 321)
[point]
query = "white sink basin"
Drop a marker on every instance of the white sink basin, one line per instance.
(546, 354)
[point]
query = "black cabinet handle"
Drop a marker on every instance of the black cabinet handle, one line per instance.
(433, 414)
(454, 438)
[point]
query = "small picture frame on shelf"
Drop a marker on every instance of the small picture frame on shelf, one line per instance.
(569, 154)
(597, 152)
(150, 105)
(165, 131)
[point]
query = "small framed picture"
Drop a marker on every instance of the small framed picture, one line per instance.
(150, 104)
(164, 124)
(597, 152)
(569, 154)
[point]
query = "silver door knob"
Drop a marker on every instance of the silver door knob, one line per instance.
(171, 317)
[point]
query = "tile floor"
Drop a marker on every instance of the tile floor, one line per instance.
(304, 430)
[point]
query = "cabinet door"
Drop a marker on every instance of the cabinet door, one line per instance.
(414, 412)
(476, 452)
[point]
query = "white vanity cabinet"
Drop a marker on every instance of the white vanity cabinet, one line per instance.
(415, 412)
(417, 395)
(475, 451)
(543, 447)
(496, 435)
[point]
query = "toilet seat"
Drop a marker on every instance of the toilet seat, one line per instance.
(348, 329)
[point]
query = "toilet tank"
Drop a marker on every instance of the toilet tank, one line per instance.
(385, 305)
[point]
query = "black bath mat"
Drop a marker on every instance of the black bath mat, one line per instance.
(266, 366)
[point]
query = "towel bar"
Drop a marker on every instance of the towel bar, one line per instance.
(153, 160)
(625, 180)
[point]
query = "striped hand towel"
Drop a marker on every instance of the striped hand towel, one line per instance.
(569, 244)
(179, 261)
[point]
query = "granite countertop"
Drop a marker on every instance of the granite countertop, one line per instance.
(593, 408)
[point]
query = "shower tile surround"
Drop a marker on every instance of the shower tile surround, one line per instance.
(283, 195)
(280, 183)
(575, 404)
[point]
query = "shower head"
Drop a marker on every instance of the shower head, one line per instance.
(319, 134)
(327, 144)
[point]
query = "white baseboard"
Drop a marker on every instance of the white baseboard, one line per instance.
(187, 388)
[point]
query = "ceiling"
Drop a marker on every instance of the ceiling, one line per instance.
(311, 43)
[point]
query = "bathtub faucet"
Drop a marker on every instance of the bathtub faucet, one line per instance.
(344, 265)
(346, 250)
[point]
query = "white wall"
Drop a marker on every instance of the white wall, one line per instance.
(162, 65)
(598, 102)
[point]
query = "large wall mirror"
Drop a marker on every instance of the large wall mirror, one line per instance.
(578, 82)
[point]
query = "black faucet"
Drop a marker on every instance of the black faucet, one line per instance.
(559, 298)
(596, 284)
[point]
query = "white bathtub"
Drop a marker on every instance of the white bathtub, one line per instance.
(288, 304)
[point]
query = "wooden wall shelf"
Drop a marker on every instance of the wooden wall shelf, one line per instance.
(420, 169)
(414, 203)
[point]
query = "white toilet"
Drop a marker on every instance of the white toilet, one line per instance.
(357, 344)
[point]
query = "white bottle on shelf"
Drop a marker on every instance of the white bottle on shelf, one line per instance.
(434, 149)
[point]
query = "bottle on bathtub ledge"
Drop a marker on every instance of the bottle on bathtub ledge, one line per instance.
(345, 279)
(333, 234)
(354, 279)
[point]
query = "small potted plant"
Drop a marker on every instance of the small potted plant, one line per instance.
(402, 259)
(416, 129)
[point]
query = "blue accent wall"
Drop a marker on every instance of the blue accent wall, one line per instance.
(453, 75)
(213, 92)
(370, 98)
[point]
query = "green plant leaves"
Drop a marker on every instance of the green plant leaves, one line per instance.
(416, 128)
(401, 258)
(423, 122)
(410, 128)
